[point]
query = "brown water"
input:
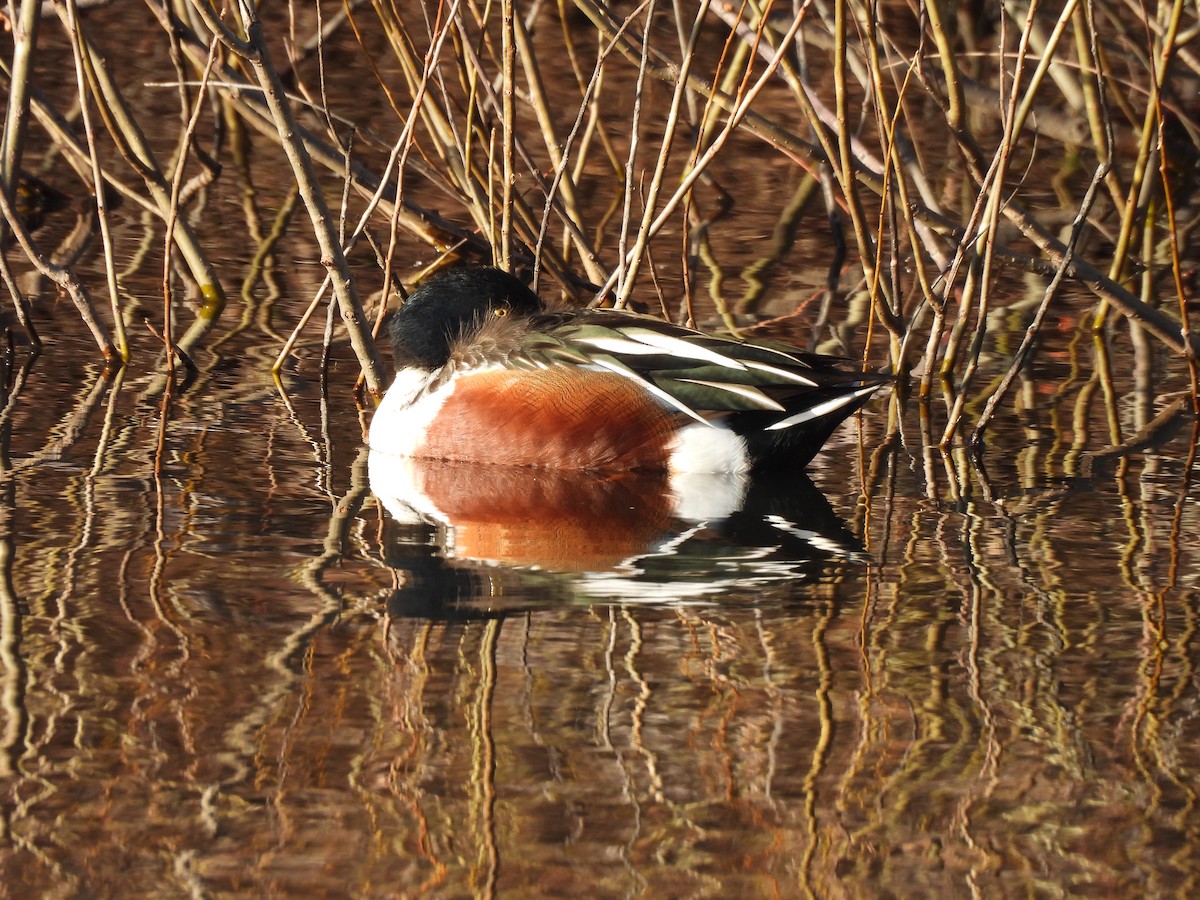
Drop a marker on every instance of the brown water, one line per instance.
(913, 676)
(243, 678)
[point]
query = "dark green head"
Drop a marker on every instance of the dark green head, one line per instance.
(452, 305)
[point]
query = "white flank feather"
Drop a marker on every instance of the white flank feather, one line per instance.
(708, 450)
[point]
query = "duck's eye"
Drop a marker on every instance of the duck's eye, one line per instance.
(500, 312)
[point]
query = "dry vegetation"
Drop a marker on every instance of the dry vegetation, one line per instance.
(950, 144)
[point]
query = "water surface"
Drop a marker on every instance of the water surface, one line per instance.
(244, 677)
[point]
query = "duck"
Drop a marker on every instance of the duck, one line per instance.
(489, 373)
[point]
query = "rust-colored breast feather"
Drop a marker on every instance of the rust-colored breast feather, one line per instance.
(561, 418)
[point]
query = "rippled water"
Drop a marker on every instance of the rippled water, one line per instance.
(244, 677)
(227, 670)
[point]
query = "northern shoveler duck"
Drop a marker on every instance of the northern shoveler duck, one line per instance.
(486, 373)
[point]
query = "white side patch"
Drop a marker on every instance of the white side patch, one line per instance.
(705, 448)
(407, 410)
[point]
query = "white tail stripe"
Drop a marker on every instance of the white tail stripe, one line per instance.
(821, 409)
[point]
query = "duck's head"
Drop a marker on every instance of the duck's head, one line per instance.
(451, 307)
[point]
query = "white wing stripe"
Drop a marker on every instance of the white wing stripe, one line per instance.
(782, 373)
(753, 394)
(680, 347)
(618, 345)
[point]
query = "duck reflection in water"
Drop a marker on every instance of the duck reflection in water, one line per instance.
(577, 439)
(592, 538)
